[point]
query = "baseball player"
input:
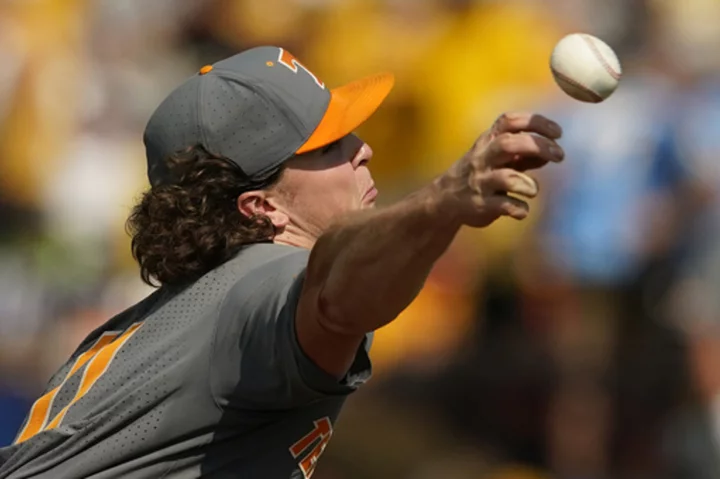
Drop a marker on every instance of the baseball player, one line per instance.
(274, 270)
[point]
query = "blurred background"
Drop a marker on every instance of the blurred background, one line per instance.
(583, 343)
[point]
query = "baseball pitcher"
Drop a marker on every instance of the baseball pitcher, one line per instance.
(273, 270)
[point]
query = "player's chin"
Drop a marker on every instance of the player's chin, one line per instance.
(367, 204)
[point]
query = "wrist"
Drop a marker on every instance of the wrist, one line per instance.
(440, 206)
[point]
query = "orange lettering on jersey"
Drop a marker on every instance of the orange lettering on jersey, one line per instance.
(38, 417)
(322, 432)
(308, 465)
(97, 367)
(286, 58)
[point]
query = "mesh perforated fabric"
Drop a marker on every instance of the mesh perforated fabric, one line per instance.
(153, 412)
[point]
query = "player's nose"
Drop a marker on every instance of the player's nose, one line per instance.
(364, 154)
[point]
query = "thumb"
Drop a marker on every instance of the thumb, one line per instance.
(506, 205)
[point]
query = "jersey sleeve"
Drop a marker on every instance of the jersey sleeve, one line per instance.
(257, 360)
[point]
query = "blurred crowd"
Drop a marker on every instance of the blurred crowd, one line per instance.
(583, 343)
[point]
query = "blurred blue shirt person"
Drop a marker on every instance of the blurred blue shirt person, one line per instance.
(621, 155)
(13, 409)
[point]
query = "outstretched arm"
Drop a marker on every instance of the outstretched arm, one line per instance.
(364, 272)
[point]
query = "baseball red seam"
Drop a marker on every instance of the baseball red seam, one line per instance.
(601, 58)
(578, 85)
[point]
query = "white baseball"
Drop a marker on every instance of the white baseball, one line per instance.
(585, 67)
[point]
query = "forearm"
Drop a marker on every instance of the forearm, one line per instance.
(370, 267)
(364, 272)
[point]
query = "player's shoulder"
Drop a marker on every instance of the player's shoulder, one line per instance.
(267, 260)
(264, 271)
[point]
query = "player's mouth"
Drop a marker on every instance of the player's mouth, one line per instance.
(370, 194)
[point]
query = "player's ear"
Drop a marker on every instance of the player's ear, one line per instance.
(256, 203)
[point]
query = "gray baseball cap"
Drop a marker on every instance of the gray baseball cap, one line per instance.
(258, 109)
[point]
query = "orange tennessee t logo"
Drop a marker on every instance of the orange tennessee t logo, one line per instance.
(286, 58)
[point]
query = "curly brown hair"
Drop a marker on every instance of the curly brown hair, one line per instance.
(189, 223)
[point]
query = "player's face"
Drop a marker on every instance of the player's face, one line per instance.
(320, 186)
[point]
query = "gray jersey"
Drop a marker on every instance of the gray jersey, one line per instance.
(208, 381)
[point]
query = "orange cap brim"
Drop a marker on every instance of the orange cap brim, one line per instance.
(349, 107)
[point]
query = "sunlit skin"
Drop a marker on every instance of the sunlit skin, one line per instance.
(315, 190)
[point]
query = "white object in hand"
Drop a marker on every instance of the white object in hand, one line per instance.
(585, 67)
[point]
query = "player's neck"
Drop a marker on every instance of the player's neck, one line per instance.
(291, 235)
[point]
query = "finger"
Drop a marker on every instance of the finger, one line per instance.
(508, 180)
(510, 147)
(526, 122)
(526, 163)
(506, 205)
